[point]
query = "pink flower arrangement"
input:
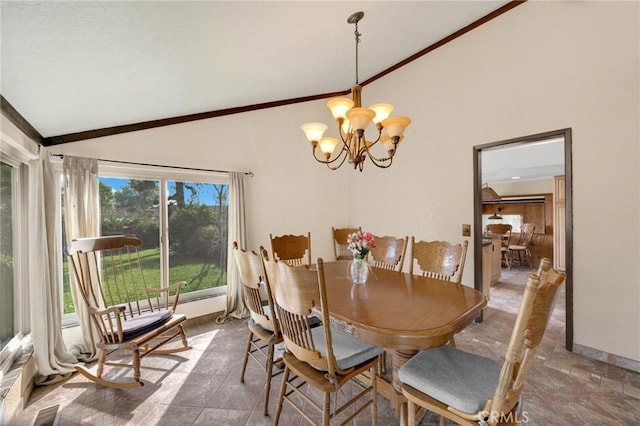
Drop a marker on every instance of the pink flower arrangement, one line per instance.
(360, 244)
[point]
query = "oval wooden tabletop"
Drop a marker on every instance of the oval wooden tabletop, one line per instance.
(399, 310)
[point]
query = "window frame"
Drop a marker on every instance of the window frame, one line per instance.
(162, 175)
(18, 160)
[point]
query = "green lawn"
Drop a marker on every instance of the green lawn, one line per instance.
(198, 274)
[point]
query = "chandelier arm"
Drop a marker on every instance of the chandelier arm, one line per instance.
(382, 162)
(345, 141)
(365, 147)
(327, 161)
(374, 158)
(344, 157)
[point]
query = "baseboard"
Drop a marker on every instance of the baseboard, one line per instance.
(618, 361)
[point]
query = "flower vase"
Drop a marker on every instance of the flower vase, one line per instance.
(358, 271)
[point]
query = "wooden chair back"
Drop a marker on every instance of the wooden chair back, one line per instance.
(340, 244)
(535, 310)
(295, 250)
(526, 234)
(108, 272)
(439, 259)
(388, 253)
(298, 291)
(257, 293)
(501, 229)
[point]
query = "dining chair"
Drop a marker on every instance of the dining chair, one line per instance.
(470, 389)
(439, 259)
(521, 248)
(388, 253)
(264, 330)
(293, 249)
(324, 357)
(502, 231)
(340, 243)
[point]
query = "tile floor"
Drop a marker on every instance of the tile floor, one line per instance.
(201, 386)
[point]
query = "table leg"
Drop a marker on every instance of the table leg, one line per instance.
(398, 402)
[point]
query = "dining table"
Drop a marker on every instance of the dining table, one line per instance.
(400, 312)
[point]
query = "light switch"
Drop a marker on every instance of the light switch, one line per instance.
(466, 230)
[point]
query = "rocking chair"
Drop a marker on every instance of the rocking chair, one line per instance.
(126, 313)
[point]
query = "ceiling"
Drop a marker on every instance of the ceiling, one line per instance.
(523, 161)
(77, 66)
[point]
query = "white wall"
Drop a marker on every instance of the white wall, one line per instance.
(290, 192)
(542, 66)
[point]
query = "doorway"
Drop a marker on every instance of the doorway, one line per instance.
(527, 142)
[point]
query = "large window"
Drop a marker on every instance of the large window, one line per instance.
(13, 293)
(184, 236)
(7, 213)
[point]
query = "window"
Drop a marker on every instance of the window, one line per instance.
(515, 220)
(184, 238)
(7, 212)
(13, 290)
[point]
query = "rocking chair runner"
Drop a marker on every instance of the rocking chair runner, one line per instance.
(126, 313)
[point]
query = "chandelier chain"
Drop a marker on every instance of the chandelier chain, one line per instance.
(357, 34)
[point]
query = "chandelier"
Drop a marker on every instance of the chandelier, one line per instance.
(352, 122)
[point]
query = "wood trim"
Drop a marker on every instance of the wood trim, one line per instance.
(14, 116)
(108, 131)
(568, 181)
(475, 24)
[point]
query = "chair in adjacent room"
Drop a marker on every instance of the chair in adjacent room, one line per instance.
(388, 253)
(293, 249)
(521, 248)
(340, 243)
(502, 231)
(264, 331)
(129, 314)
(471, 389)
(324, 357)
(439, 259)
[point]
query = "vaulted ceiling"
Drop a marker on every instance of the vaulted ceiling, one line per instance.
(76, 66)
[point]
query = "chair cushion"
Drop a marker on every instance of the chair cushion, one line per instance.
(348, 350)
(267, 311)
(456, 378)
(144, 323)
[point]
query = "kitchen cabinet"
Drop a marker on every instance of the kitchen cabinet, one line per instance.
(487, 261)
(496, 260)
(559, 224)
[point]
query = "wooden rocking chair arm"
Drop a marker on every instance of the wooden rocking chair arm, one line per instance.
(104, 311)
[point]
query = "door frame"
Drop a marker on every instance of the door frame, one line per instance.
(477, 215)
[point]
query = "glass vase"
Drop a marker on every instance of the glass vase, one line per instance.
(359, 271)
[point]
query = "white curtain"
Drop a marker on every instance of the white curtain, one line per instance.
(53, 360)
(81, 219)
(237, 232)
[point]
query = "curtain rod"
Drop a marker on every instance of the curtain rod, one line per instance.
(250, 174)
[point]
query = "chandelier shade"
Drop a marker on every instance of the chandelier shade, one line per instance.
(314, 131)
(339, 107)
(360, 118)
(352, 122)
